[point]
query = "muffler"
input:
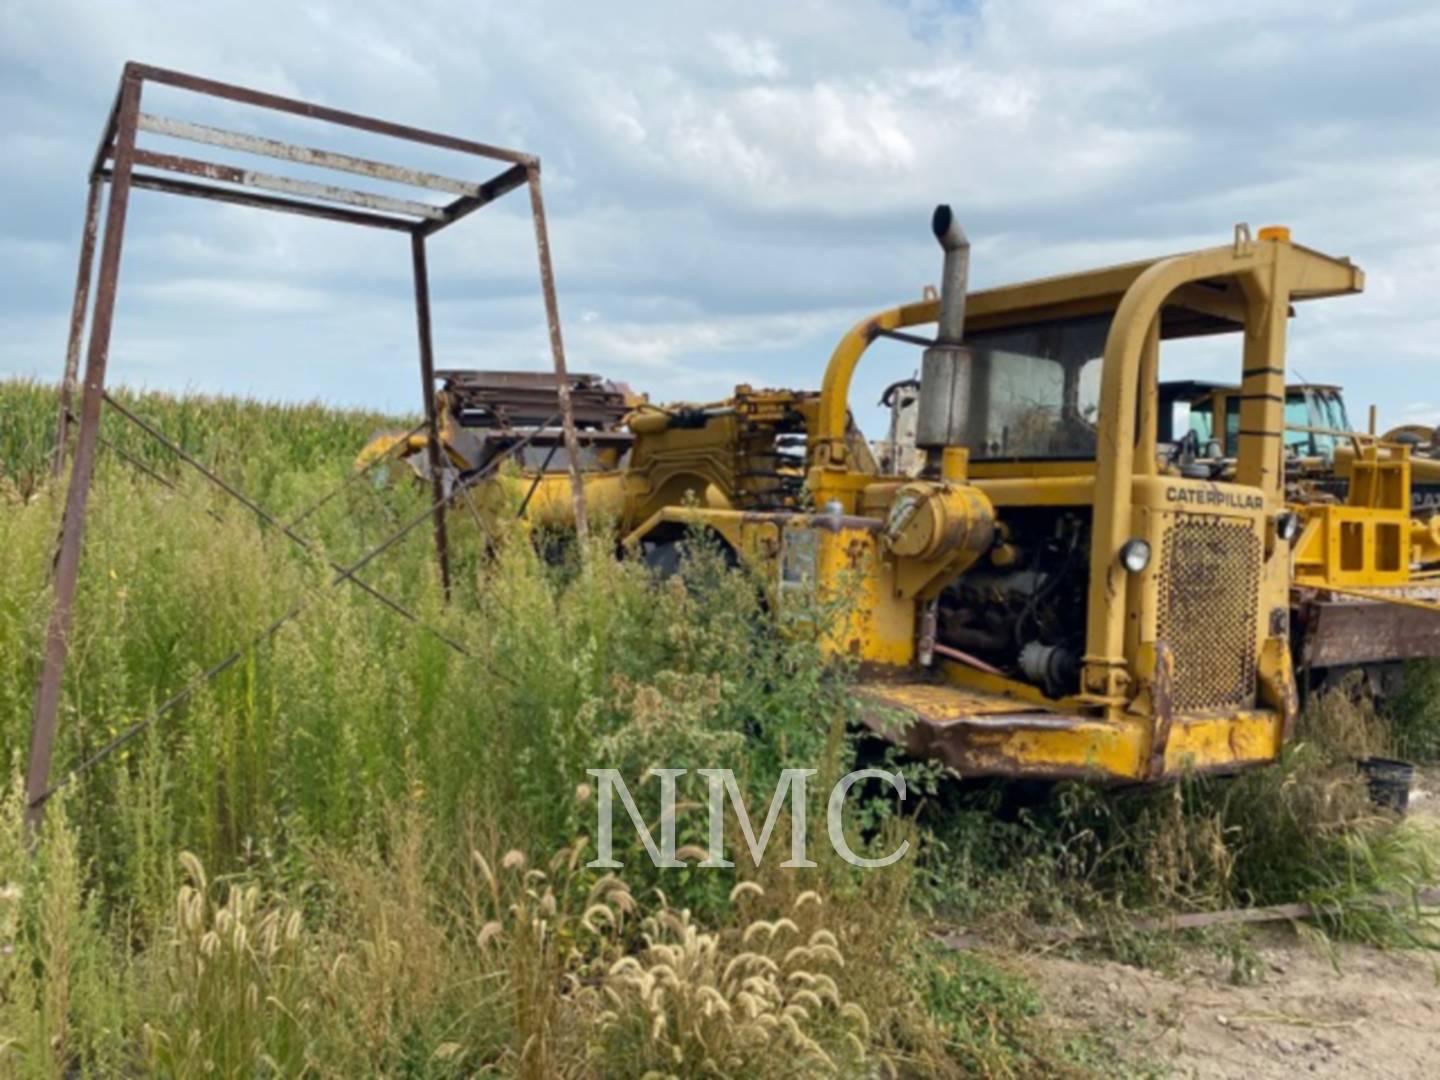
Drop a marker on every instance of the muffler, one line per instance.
(945, 370)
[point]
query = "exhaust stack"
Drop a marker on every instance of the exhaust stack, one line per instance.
(945, 370)
(955, 278)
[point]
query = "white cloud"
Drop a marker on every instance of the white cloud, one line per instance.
(748, 57)
(729, 192)
(666, 344)
(249, 297)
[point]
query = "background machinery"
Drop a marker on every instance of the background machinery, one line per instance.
(1320, 443)
(1366, 584)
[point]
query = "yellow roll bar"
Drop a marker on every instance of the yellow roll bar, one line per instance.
(1270, 274)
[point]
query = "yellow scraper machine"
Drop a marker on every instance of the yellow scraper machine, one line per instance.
(1051, 592)
(1047, 598)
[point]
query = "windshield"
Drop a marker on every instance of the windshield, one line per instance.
(1035, 390)
(1297, 420)
(1184, 418)
(1334, 406)
(1202, 420)
(1307, 407)
(1331, 407)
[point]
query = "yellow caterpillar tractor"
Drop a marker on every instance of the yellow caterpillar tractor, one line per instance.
(1050, 596)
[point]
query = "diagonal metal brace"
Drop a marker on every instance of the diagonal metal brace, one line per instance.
(345, 573)
(269, 519)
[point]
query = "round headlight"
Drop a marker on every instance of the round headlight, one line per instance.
(1135, 555)
(1287, 525)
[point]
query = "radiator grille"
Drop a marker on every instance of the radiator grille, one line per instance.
(1210, 574)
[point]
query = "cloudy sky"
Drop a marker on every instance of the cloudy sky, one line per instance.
(732, 185)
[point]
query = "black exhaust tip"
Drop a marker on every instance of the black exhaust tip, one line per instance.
(940, 220)
(946, 227)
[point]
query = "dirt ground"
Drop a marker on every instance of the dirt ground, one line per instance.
(1377, 1015)
(1304, 1009)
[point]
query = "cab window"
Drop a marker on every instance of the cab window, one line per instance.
(1297, 415)
(1035, 390)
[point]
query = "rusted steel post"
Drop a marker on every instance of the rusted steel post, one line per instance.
(78, 311)
(72, 528)
(557, 351)
(427, 389)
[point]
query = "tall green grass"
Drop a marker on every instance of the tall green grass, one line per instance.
(358, 851)
(317, 731)
(326, 860)
(1415, 712)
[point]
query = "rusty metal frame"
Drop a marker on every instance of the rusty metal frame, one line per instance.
(115, 164)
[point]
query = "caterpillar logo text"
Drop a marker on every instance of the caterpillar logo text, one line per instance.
(1234, 500)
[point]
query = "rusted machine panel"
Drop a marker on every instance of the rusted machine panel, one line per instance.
(528, 398)
(1343, 632)
(979, 734)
